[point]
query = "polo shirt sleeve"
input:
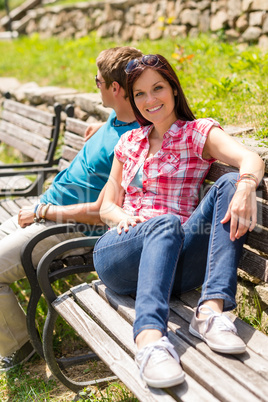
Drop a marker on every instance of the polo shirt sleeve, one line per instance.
(200, 131)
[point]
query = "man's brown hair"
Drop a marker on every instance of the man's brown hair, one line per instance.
(112, 63)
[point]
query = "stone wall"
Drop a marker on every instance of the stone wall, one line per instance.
(242, 20)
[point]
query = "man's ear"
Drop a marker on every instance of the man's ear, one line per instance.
(115, 87)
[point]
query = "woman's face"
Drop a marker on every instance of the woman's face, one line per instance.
(154, 97)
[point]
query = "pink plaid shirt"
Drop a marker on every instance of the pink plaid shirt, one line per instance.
(172, 177)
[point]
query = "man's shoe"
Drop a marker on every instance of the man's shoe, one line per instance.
(20, 356)
(218, 331)
(159, 364)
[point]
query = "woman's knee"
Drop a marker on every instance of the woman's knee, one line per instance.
(228, 179)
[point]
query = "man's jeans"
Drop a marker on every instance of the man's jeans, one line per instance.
(161, 256)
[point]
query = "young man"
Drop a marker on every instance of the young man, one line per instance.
(75, 195)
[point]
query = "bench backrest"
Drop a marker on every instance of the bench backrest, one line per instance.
(255, 256)
(31, 131)
(73, 140)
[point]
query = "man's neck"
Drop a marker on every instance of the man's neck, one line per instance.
(124, 113)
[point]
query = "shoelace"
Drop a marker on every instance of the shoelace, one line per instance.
(162, 347)
(222, 321)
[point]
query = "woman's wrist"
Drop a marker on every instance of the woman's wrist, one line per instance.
(248, 178)
(246, 184)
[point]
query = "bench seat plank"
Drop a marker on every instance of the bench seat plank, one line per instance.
(189, 391)
(14, 182)
(203, 371)
(115, 358)
(249, 369)
(4, 215)
(10, 206)
(255, 340)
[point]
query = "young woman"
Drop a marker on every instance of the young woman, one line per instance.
(160, 241)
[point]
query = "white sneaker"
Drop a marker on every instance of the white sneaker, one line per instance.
(159, 364)
(218, 331)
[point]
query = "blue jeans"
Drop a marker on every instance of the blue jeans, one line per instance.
(161, 256)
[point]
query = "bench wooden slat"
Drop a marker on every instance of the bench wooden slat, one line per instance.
(255, 340)
(15, 182)
(10, 206)
(73, 140)
(76, 126)
(254, 265)
(27, 111)
(4, 215)
(31, 152)
(258, 239)
(248, 377)
(63, 164)
(28, 124)
(25, 202)
(69, 153)
(248, 367)
(115, 358)
(262, 212)
(21, 135)
(106, 316)
(203, 371)
(218, 169)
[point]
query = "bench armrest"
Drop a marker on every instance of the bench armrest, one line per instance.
(46, 170)
(24, 165)
(27, 249)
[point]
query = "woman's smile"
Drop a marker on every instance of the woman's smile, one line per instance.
(154, 97)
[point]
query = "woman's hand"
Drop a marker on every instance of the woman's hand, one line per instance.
(26, 216)
(242, 210)
(129, 221)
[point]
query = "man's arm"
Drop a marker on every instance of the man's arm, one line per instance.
(83, 213)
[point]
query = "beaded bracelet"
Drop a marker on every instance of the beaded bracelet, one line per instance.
(37, 210)
(248, 176)
(44, 211)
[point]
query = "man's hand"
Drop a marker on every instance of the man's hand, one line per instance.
(26, 216)
(92, 129)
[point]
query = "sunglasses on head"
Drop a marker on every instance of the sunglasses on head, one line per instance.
(98, 82)
(149, 60)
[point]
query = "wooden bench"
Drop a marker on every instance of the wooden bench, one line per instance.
(104, 320)
(73, 142)
(33, 133)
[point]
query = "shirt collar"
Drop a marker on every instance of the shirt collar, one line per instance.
(144, 131)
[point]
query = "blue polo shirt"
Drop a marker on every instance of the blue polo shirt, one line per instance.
(84, 179)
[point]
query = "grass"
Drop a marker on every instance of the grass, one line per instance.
(221, 80)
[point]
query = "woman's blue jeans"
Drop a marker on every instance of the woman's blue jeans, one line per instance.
(161, 256)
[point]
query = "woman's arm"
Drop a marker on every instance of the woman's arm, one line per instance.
(242, 211)
(111, 212)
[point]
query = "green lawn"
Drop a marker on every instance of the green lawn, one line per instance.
(220, 79)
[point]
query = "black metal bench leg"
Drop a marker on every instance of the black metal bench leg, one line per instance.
(30, 320)
(57, 365)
